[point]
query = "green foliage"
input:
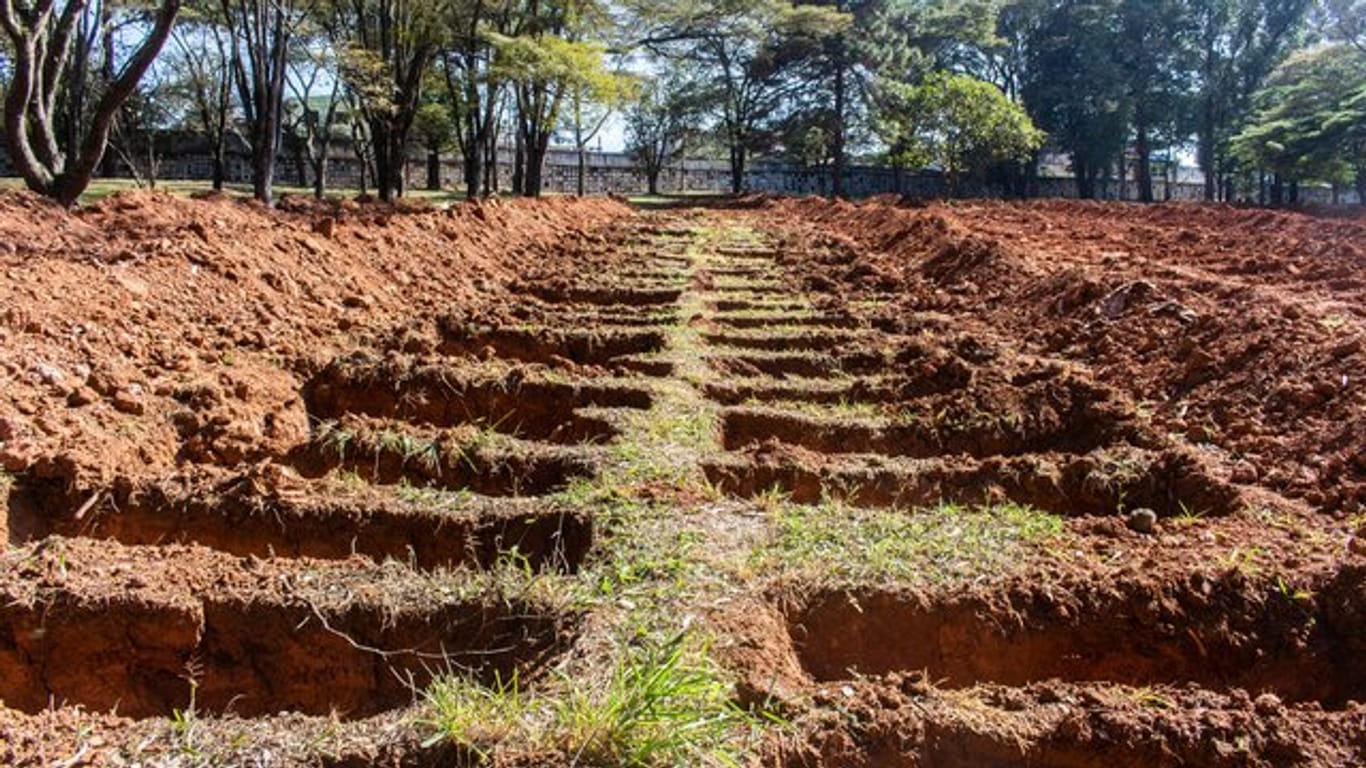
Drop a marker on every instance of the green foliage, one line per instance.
(1238, 44)
(663, 114)
(751, 56)
(1075, 87)
(1311, 117)
(959, 123)
(432, 125)
(662, 703)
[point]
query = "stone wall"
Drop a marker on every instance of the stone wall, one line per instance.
(615, 173)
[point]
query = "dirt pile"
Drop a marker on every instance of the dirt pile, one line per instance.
(1242, 330)
(147, 331)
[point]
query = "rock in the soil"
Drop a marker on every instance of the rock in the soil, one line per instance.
(127, 402)
(1356, 543)
(1143, 520)
(1244, 472)
(1267, 704)
(81, 396)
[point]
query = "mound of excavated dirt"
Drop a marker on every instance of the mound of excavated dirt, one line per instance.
(1243, 330)
(147, 331)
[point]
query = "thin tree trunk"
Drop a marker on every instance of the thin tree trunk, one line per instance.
(1206, 150)
(433, 168)
(519, 161)
(583, 170)
(737, 168)
(1142, 170)
(320, 174)
(837, 179)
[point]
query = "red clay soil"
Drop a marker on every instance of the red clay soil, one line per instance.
(1244, 330)
(222, 428)
(184, 327)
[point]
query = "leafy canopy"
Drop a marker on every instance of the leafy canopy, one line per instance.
(957, 122)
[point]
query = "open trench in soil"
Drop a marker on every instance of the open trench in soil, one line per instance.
(320, 583)
(820, 404)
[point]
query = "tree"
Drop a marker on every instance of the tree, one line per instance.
(1343, 21)
(1075, 89)
(1155, 57)
(386, 47)
(1239, 43)
(41, 36)
(749, 50)
(959, 123)
(593, 93)
(314, 117)
(658, 122)
(262, 32)
(546, 58)
(1310, 121)
(473, 93)
(434, 128)
(199, 75)
(885, 41)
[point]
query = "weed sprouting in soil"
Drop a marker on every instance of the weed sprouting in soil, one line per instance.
(663, 703)
(478, 717)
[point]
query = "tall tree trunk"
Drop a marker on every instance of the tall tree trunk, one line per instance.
(385, 172)
(1205, 151)
(220, 170)
(300, 165)
(491, 164)
(518, 161)
(320, 174)
(1082, 173)
(583, 170)
(433, 168)
(737, 168)
(538, 143)
(837, 180)
(263, 175)
(1143, 151)
(474, 172)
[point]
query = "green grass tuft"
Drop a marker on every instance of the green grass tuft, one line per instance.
(664, 704)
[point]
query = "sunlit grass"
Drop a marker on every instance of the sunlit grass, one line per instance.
(834, 542)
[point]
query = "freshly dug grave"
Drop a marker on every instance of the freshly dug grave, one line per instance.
(274, 513)
(1239, 328)
(148, 631)
(515, 401)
